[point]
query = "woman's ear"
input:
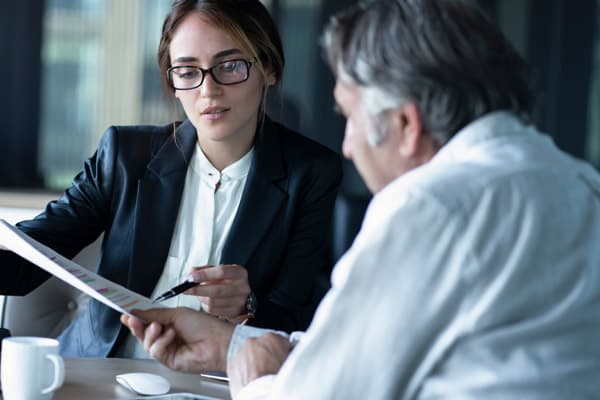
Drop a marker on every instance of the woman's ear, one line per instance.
(271, 79)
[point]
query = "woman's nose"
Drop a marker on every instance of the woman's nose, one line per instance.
(210, 87)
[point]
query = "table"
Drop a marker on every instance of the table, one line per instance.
(94, 379)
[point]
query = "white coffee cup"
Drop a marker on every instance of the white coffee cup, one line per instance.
(31, 368)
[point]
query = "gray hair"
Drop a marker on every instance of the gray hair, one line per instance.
(376, 102)
(444, 56)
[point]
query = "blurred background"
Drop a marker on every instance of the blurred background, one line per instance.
(71, 68)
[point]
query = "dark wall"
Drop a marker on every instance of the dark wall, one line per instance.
(20, 44)
(561, 46)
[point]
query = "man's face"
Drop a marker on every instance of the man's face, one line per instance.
(376, 164)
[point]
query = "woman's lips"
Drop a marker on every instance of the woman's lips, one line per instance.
(214, 113)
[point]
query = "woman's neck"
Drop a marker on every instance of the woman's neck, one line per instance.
(223, 154)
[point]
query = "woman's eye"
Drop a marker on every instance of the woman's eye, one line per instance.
(230, 66)
(188, 73)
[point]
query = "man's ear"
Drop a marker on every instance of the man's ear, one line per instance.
(408, 121)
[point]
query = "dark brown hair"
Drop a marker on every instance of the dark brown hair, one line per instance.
(247, 21)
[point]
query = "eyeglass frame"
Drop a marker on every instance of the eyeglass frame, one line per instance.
(247, 63)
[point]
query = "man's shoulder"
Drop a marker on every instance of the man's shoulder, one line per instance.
(523, 170)
(447, 185)
(457, 187)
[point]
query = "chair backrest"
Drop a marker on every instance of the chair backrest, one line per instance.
(51, 307)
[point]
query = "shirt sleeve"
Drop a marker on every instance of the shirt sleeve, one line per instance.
(258, 389)
(375, 335)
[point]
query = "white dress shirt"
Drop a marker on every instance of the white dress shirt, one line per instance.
(474, 276)
(203, 223)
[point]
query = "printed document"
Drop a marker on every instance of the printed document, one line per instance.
(113, 295)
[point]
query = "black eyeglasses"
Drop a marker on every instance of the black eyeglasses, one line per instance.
(230, 72)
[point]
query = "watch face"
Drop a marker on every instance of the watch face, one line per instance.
(251, 304)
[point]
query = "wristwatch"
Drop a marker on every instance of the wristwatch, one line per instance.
(251, 305)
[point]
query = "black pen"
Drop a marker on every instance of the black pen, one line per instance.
(182, 287)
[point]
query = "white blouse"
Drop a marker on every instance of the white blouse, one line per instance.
(208, 207)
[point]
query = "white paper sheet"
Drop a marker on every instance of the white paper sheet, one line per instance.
(113, 295)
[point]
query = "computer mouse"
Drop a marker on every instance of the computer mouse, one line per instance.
(144, 383)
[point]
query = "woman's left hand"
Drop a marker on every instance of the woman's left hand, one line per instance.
(223, 289)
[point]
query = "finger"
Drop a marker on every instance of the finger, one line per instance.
(226, 289)
(135, 325)
(151, 334)
(159, 347)
(129, 319)
(223, 302)
(219, 272)
(164, 316)
(126, 320)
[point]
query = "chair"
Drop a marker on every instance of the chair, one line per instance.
(51, 307)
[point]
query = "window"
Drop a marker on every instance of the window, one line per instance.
(98, 69)
(593, 136)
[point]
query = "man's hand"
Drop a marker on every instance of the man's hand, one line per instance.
(182, 339)
(223, 290)
(259, 356)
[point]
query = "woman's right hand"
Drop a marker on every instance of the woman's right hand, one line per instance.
(223, 291)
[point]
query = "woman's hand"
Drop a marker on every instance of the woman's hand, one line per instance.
(223, 289)
(181, 338)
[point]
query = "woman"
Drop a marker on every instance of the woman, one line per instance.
(228, 197)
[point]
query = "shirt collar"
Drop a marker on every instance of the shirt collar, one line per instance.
(488, 128)
(238, 170)
(494, 125)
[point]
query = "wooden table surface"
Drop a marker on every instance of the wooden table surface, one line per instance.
(94, 379)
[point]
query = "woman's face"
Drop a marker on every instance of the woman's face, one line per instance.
(223, 114)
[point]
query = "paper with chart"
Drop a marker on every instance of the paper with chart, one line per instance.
(113, 295)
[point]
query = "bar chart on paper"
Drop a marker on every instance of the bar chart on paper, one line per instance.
(112, 294)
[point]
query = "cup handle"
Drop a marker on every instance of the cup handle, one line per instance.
(59, 373)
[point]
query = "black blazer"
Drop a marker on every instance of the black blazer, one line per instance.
(130, 190)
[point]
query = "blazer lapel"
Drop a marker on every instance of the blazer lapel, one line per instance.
(261, 199)
(158, 199)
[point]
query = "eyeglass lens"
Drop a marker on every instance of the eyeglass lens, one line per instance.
(225, 73)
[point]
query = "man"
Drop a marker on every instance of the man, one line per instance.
(475, 273)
